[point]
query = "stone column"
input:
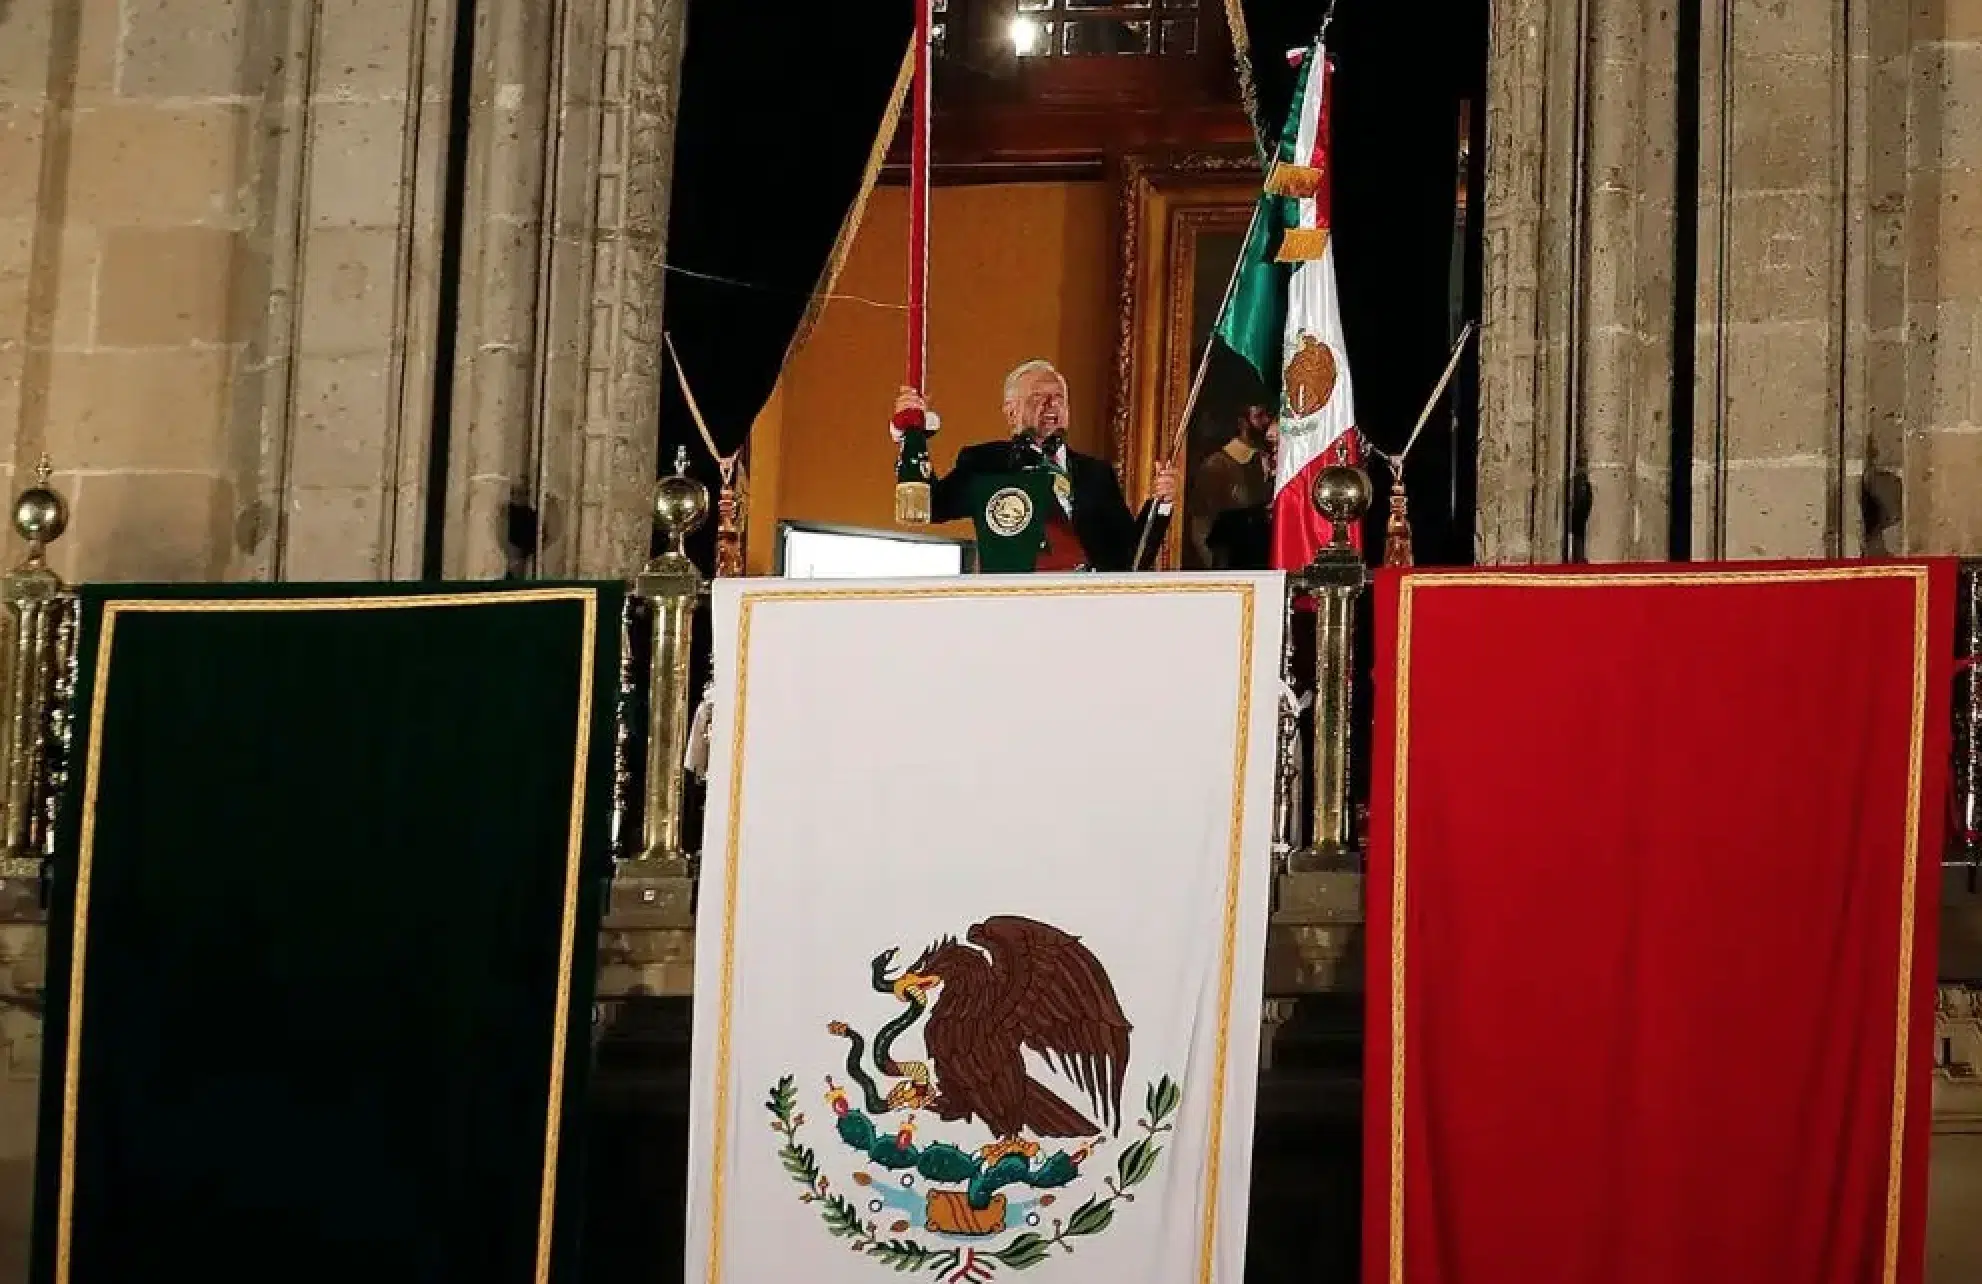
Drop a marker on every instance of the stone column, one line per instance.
(1529, 274)
(1777, 235)
(1835, 299)
(1936, 72)
(350, 246)
(1836, 401)
(1623, 385)
(555, 432)
(1575, 371)
(598, 485)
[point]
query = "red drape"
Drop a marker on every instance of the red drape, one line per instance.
(1652, 900)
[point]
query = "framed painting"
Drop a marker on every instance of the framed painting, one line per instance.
(1183, 223)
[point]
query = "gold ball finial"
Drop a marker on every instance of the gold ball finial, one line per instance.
(1342, 494)
(41, 515)
(681, 504)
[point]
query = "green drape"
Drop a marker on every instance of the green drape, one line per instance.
(323, 933)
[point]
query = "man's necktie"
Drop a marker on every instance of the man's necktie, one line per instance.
(1048, 455)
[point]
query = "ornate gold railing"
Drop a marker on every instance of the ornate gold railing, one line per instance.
(37, 629)
(668, 590)
(649, 922)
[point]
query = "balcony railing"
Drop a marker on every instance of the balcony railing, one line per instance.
(1316, 833)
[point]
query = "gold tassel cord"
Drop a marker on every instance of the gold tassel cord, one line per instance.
(1302, 245)
(732, 513)
(912, 503)
(1242, 53)
(1301, 181)
(1397, 530)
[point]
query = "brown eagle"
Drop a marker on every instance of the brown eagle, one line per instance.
(1019, 984)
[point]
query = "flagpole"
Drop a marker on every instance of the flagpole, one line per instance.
(1197, 385)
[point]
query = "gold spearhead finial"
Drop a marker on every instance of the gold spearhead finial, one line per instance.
(44, 472)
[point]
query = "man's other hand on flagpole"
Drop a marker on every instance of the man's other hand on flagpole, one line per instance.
(1164, 488)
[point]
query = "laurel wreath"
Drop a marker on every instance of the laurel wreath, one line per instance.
(1028, 1249)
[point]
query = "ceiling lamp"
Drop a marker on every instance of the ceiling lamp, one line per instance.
(1025, 36)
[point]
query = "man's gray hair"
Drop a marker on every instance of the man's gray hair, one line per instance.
(1024, 368)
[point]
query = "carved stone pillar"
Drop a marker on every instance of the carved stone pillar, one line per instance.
(1932, 79)
(338, 383)
(1576, 362)
(1778, 237)
(1836, 405)
(602, 477)
(554, 439)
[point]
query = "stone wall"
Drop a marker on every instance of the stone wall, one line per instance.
(1830, 191)
(126, 218)
(221, 295)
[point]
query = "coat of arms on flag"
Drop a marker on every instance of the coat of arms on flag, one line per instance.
(979, 955)
(993, 1148)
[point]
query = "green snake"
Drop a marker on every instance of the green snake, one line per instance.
(884, 1041)
(941, 1162)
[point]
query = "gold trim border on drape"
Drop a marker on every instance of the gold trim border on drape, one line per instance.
(1247, 593)
(86, 841)
(1909, 874)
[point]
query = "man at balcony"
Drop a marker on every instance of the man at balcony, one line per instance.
(1091, 529)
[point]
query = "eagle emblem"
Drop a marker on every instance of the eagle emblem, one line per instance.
(1309, 377)
(1008, 512)
(953, 1162)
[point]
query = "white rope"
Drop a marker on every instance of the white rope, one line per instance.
(725, 464)
(1396, 461)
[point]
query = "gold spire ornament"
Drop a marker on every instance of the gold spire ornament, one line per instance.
(37, 632)
(40, 515)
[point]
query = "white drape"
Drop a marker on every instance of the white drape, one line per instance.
(894, 763)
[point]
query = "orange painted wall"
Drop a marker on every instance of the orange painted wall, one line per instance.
(1016, 271)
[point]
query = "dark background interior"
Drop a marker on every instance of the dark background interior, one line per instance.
(1402, 72)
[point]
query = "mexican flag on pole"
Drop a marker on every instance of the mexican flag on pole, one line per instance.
(1285, 320)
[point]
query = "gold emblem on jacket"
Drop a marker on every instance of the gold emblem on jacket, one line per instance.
(1009, 512)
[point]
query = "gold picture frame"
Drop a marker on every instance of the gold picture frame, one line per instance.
(1183, 220)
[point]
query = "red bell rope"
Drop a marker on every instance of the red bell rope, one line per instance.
(918, 200)
(910, 424)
